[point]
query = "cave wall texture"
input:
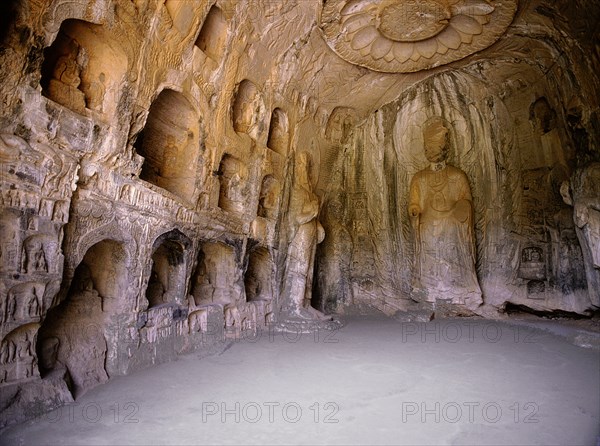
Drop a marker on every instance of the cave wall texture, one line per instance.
(151, 153)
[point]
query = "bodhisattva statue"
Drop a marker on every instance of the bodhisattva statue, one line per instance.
(441, 214)
(306, 233)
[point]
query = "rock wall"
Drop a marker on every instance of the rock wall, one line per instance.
(144, 179)
(513, 132)
(157, 157)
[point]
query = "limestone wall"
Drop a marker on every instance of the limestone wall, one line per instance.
(519, 129)
(144, 173)
(153, 203)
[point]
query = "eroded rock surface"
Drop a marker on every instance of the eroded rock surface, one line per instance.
(177, 174)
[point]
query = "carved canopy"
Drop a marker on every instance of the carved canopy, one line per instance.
(404, 36)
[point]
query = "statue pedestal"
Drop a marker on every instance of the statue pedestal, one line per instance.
(67, 96)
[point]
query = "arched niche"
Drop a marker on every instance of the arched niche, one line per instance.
(17, 354)
(232, 178)
(268, 200)
(279, 135)
(182, 14)
(84, 68)
(169, 144)
(213, 34)
(35, 255)
(547, 149)
(248, 110)
(73, 335)
(258, 277)
(217, 275)
(166, 284)
(340, 125)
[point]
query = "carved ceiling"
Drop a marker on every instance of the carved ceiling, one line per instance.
(406, 36)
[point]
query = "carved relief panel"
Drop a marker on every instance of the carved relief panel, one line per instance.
(402, 36)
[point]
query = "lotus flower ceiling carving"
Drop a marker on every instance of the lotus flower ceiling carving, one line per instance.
(403, 36)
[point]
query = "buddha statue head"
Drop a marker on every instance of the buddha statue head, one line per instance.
(435, 140)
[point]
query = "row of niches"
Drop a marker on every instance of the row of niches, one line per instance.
(174, 137)
(85, 69)
(85, 66)
(248, 116)
(216, 277)
(212, 36)
(75, 75)
(75, 335)
(233, 189)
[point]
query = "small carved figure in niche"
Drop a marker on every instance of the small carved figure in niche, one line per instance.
(18, 347)
(198, 321)
(32, 223)
(532, 265)
(306, 233)
(53, 169)
(170, 156)
(234, 192)
(128, 194)
(340, 124)
(542, 115)
(33, 303)
(267, 202)
(34, 258)
(22, 302)
(205, 280)
(66, 69)
(231, 179)
(46, 208)
(7, 351)
(232, 316)
(94, 94)
(441, 213)
(156, 290)
(14, 199)
(543, 119)
(10, 308)
(66, 78)
(248, 110)
(244, 118)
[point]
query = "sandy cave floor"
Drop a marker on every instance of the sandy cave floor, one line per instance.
(374, 381)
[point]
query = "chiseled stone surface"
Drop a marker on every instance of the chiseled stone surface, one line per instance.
(177, 173)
